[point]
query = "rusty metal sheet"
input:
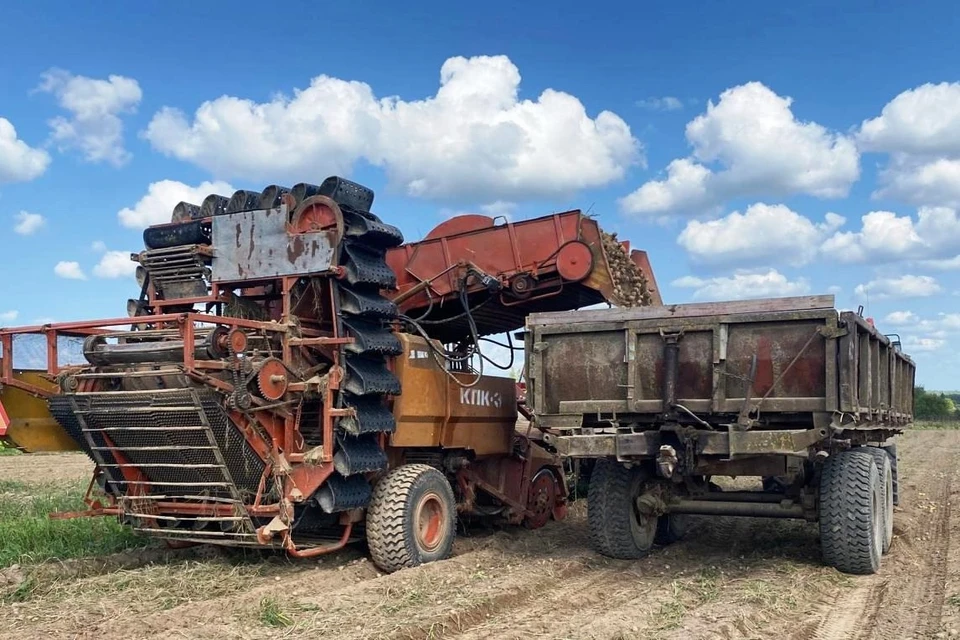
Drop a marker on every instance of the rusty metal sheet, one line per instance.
(642, 445)
(695, 310)
(255, 244)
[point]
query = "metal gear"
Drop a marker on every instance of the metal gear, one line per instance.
(272, 379)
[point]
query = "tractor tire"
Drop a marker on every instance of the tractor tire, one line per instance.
(882, 460)
(411, 518)
(851, 512)
(617, 529)
(891, 450)
(672, 527)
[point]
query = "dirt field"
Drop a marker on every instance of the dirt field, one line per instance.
(733, 578)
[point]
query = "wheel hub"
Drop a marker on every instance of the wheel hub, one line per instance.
(430, 522)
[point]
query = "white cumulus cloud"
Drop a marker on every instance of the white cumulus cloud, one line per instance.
(901, 318)
(921, 181)
(95, 105)
(920, 130)
(750, 144)
(156, 206)
(762, 234)
(28, 223)
(19, 162)
(744, 284)
(475, 139)
(886, 237)
(8, 316)
(920, 121)
(69, 270)
(905, 286)
(115, 264)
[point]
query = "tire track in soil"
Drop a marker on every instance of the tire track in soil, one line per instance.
(906, 598)
(846, 616)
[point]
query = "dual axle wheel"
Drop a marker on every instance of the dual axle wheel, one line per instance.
(856, 509)
(855, 512)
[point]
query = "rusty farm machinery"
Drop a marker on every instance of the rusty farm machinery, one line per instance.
(292, 375)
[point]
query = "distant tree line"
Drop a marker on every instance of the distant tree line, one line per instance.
(929, 405)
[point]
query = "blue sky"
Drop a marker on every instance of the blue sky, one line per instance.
(750, 148)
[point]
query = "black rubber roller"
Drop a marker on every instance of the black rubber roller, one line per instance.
(272, 195)
(242, 200)
(342, 494)
(366, 265)
(214, 205)
(367, 302)
(372, 416)
(347, 193)
(366, 376)
(184, 212)
(359, 454)
(176, 234)
(371, 337)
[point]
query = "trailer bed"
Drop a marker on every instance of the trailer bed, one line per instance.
(772, 364)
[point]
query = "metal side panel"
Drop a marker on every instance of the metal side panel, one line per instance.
(255, 244)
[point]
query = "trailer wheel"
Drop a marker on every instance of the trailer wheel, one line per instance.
(617, 528)
(882, 460)
(411, 518)
(891, 450)
(851, 512)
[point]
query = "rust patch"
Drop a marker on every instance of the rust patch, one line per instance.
(295, 249)
(764, 380)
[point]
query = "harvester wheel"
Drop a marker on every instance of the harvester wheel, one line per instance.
(882, 460)
(851, 512)
(411, 518)
(542, 499)
(617, 527)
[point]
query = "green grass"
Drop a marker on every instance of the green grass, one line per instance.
(7, 449)
(29, 536)
(272, 614)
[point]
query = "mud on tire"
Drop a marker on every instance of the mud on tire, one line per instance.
(411, 519)
(851, 518)
(616, 529)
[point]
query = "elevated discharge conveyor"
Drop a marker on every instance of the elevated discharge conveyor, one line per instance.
(470, 268)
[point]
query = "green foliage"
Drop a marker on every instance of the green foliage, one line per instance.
(272, 614)
(7, 449)
(30, 535)
(931, 406)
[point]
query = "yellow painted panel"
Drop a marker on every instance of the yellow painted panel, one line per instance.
(32, 428)
(434, 411)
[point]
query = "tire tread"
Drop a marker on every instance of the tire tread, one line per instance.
(847, 482)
